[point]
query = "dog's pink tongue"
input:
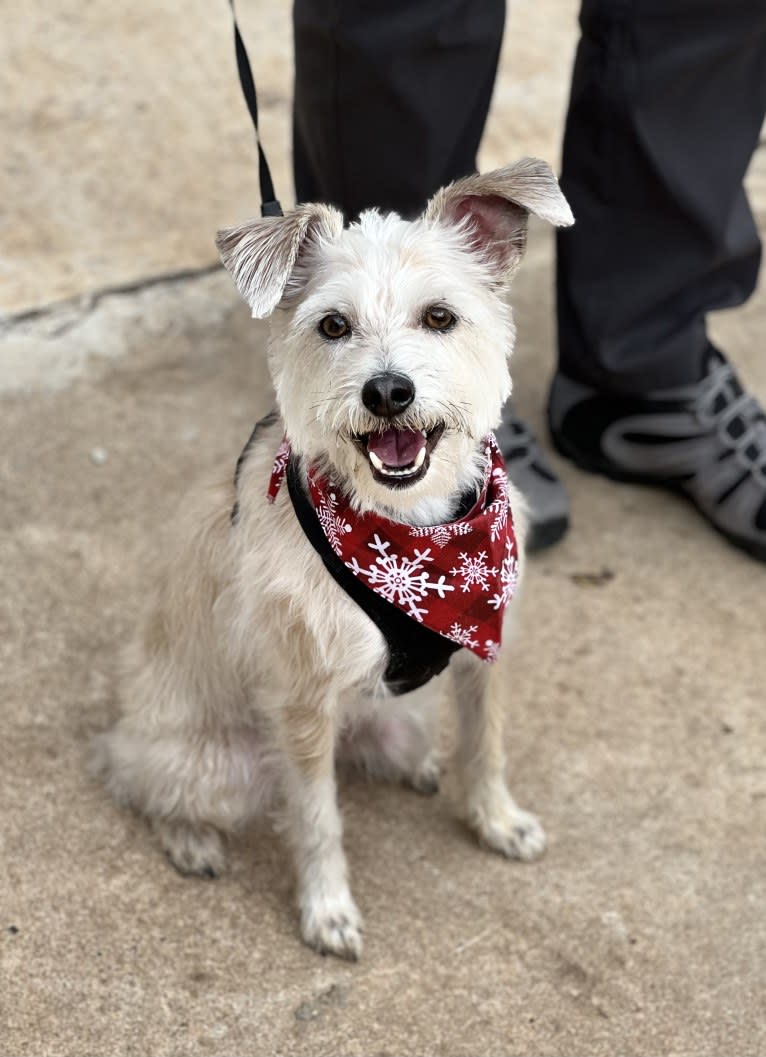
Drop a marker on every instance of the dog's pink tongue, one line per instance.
(397, 447)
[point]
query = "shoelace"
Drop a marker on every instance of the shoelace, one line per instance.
(734, 404)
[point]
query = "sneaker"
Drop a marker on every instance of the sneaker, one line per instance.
(530, 472)
(706, 441)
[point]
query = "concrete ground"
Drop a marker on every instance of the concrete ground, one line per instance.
(636, 693)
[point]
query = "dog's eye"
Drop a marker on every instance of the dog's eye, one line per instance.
(334, 326)
(438, 318)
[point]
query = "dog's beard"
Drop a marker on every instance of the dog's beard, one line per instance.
(398, 451)
(426, 467)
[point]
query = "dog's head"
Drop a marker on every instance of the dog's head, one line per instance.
(390, 343)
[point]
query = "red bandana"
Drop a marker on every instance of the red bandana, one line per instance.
(455, 578)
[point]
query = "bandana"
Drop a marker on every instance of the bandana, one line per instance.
(456, 578)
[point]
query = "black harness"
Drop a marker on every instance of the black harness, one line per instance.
(415, 653)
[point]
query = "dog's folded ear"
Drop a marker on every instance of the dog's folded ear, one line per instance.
(264, 255)
(493, 208)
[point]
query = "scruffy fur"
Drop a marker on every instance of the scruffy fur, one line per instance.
(253, 672)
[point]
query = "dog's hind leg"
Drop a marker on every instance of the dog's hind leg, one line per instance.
(399, 741)
(193, 848)
(193, 787)
(490, 810)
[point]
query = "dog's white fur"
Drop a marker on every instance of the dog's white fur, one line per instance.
(253, 671)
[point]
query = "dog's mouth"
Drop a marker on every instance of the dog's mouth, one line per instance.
(399, 457)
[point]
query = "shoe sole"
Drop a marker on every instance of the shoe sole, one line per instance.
(607, 469)
(546, 534)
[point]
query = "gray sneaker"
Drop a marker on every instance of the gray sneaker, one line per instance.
(531, 473)
(706, 441)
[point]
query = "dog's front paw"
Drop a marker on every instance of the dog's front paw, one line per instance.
(501, 825)
(332, 926)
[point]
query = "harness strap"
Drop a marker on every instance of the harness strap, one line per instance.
(260, 425)
(270, 206)
(416, 653)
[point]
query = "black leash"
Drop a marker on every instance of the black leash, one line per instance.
(270, 206)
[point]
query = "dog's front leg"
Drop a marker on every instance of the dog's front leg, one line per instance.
(490, 809)
(330, 921)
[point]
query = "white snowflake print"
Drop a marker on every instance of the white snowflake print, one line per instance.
(499, 508)
(474, 570)
(400, 579)
(333, 525)
(509, 578)
(464, 636)
(281, 458)
(441, 534)
(491, 650)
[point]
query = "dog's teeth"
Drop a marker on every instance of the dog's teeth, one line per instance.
(390, 471)
(425, 433)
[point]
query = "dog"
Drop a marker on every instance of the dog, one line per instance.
(256, 669)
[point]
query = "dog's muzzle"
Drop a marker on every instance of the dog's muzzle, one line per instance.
(398, 454)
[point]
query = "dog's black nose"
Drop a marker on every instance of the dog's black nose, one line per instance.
(388, 394)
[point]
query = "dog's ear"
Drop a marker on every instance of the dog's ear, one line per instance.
(493, 208)
(262, 254)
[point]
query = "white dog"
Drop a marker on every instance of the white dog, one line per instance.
(256, 668)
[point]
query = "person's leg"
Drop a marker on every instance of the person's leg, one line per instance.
(390, 98)
(666, 109)
(390, 105)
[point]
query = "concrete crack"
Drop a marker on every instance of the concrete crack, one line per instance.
(85, 303)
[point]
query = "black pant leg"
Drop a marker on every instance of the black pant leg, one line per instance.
(390, 97)
(667, 102)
